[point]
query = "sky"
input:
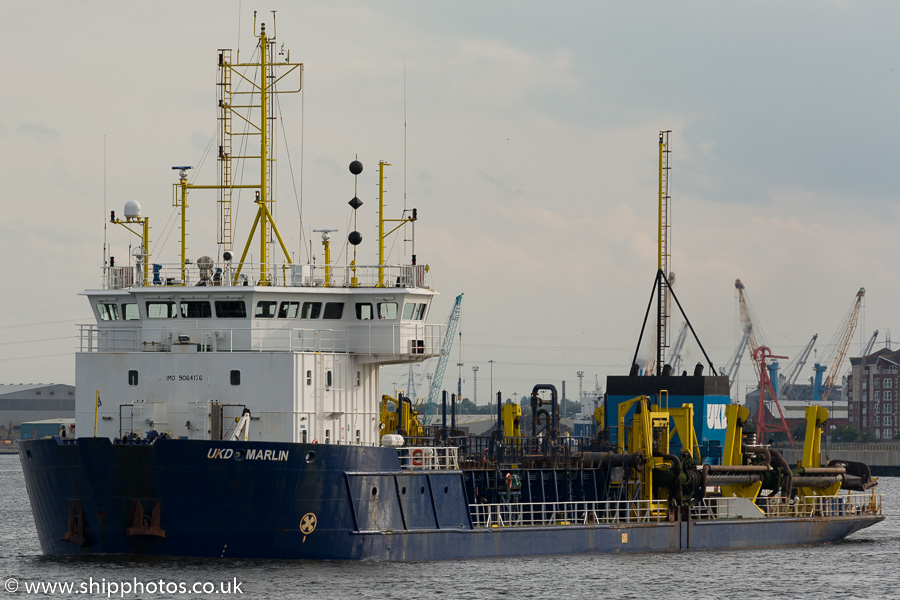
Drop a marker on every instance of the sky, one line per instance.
(526, 135)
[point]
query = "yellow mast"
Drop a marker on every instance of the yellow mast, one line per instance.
(266, 88)
(381, 221)
(381, 166)
(263, 156)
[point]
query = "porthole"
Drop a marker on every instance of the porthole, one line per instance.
(310, 457)
(446, 490)
(422, 491)
(403, 490)
(374, 491)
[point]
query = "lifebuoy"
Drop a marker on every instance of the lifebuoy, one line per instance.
(418, 457)
(508, 480)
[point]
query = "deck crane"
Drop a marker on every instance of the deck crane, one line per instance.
(796, 366)
(822, 390)
(437, 381)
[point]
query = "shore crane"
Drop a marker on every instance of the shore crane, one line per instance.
(760, 355)
(848, 328)
(677, 347)
(437, 381)
(870, 344)
(751, 342)
(796, 366)
(736, 361)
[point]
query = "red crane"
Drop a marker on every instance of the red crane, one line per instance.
(760, 355)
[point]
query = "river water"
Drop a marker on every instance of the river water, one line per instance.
(865, 565)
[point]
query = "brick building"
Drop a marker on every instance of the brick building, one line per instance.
(874, 393)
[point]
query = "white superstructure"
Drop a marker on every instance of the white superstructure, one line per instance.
(303, 359)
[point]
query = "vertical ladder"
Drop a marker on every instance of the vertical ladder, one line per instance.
(225, 151)
(664, 230)
(268, 79)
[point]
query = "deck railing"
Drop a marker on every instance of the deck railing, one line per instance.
(422, 458)
(645, 511)
(395, 339)
(567, 513)
(222, 274)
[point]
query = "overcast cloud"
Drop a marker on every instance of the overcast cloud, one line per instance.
(531, 155)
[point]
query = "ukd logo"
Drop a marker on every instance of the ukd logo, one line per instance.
(715, 416)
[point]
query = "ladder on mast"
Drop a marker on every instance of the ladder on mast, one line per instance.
(664, 253)
(225, 151)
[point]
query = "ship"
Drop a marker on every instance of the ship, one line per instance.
(231, 409)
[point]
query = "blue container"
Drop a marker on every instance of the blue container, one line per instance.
(709, 395)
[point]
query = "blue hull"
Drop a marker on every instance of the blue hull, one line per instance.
(305, 501)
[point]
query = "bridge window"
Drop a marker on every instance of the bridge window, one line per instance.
(311, 310)
(289, 310)
(193, 309)
(328, 379)
(309, 378)
(235, 377)
(108, 312)
(161, 309)
(364, 311)
(132, 377)
(409, 309)
(414, 312)
(265, 309)
(130, 312)
(231, 309)
(387, 310)
(333, 310)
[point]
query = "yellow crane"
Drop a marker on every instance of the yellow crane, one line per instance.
(822, 390)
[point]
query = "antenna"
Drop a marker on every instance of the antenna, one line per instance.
(105, 247)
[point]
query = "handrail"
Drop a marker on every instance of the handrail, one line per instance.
(285, 275)
(395, 338)
(593, 513)
(422, 458)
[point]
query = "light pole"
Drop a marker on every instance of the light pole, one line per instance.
(492, 376)
(580, 388)
(475, 384)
